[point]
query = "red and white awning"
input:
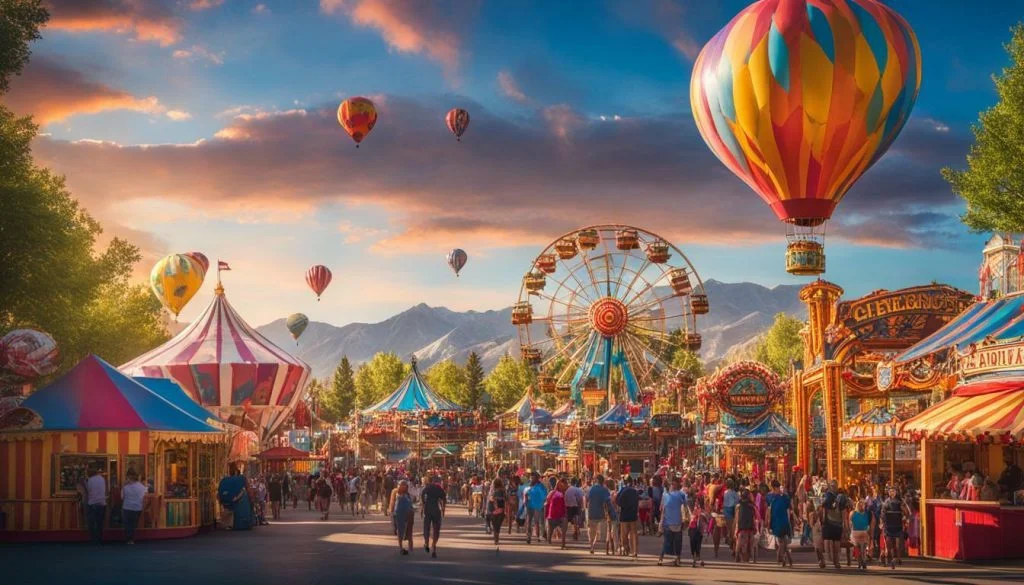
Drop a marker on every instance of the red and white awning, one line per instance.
(229, 368)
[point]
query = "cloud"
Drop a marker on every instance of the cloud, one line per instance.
(435, 29)
(668, 18)
(198, 5)
(144, 20)
(509, 87)
(52, 92)
(199, 53)
(178, 115)
(260, 9)
(510, 182)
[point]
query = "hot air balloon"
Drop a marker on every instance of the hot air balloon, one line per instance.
(28, 354)
(457, 120)
(201, 259)
(457, 259)
(799, 98)
(318, 277)
(175, 279)
(357, 116)
(296, 324)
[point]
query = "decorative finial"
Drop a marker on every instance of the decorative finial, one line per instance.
(219, 291)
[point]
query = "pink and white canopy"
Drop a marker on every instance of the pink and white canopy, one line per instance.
(229, 368)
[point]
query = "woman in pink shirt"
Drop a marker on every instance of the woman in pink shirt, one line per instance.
(556, 510)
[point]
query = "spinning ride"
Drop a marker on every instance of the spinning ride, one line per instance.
(601, 311)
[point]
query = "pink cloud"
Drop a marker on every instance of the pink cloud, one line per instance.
(668, 18)
(199, 53)
(144, 20)
(510, 88)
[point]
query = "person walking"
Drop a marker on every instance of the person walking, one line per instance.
(574, 507)
(671, 523)
(324, 491)
(434, 504)
(535, 498)
(96, 499)
(497, 506)
(598, 502)
(557, 511)
(746, 527)
(355, 484)
(894, 515)
(834, 520)
(133, 493)
(699, 521)
(402, 512)
(629, 511)
(860, 525)
(780, 512)
(275, 489)
(730, 499)
(286, 489)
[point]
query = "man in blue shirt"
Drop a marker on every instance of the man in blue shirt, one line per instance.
(599, 500)
(729, 501)
(780, 513)
(536, 495)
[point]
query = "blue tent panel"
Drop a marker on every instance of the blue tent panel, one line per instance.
(412, 395)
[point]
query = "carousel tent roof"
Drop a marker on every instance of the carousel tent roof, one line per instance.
(769, 427)
(173, 393)
(94, 395)
(412, 395)
(619, 415)
(284, 453)
(527, 411)
(223, 363)
(1000, 319)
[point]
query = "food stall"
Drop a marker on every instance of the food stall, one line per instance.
(96, 417)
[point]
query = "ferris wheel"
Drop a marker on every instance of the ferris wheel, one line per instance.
(602, 309)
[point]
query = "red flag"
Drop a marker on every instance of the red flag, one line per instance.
(222, 265)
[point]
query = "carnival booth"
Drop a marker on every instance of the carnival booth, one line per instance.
(979, 429)
(873, 448)
(282, 459)
(521, 428)
(764, 446)
(229, 368)
(96, 417)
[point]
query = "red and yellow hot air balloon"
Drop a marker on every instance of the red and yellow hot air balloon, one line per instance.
(357, 115)
(457, 121)
(799, 98)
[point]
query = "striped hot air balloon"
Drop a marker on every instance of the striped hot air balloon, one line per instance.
(318, 277)
(457, 259)
(457, 121)
(798, 98)
(201, 259)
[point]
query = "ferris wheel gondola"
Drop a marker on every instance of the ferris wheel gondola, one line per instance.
(608, 305)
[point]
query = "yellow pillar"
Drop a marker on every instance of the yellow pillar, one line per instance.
(832, 401)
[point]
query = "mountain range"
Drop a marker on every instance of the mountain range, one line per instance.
(740, 312)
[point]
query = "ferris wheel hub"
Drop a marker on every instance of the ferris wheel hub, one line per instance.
(609, 316)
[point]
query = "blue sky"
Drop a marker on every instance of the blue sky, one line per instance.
(206, 125)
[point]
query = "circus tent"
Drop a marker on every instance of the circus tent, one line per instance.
(412, 395)
(527, 411)
(564, 414)
(771, 427)
(619, 414)
(230, 368)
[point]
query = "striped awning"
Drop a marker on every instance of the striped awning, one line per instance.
(990, 410)
(1000, 320)
(874, 424)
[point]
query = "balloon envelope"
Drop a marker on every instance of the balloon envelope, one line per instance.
(296, 324)
(175, 279)
(358, 116)
(799, 97)
(457, 121)
(318, 277)
(457, 259)
(27, 353)
(201, 259)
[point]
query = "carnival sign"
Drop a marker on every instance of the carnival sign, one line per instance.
(994, 358)
(902, 317)
(667, 421)
(745, 390)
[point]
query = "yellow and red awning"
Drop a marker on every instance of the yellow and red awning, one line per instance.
(980, 411)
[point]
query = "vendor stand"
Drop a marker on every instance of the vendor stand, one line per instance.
(282, 459)
(873, 448)
(96, 417)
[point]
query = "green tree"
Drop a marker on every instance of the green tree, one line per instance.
(53, 277)
(781, 344)
(993, 184)
(449, 380)
(379, 377)
(687, 361)
(316, 394)
(474, 381)
(340, 399)
(507, 382)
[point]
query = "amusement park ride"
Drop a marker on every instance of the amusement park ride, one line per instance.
(601, 311)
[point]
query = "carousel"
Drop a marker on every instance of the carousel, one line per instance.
(601, 312)
(413, 421)
(95, 417)
(230, 369)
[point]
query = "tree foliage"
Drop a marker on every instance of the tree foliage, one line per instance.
(449, 380)
(993, 184)
(339, 399)
(507, 382)
(379, 377)
(53, 275)
(474, 381)
(781, 344)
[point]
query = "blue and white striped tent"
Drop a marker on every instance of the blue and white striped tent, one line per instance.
(412, 395)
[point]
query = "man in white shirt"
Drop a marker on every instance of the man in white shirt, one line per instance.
(96, 499)
(574, 506)
(132, 496)
(353, 493)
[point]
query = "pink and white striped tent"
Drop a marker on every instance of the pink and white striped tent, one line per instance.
(229, 368)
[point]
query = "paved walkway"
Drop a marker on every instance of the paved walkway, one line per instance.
(302, 549)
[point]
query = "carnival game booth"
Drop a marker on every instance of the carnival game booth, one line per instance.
(95, 416)
(766, 445)
(414, 419)
(980, 427)
(282, 459)
(229, 368)
(873, 448)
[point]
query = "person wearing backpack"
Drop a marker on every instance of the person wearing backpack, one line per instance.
(834, 520)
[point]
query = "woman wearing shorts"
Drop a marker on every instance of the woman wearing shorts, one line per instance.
(860, 536)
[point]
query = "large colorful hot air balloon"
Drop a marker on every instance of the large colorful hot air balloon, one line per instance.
(799, 98)
(457, 259)
(175, 279)
(296, 324)
(201, 259)
(28, 354)
(457, 120)
(357, 116)
(318, 277)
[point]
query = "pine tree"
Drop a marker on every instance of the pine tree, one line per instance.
(341, 399)
(474, 380)
(993, 184)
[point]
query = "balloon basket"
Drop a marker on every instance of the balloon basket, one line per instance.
(805, 258)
